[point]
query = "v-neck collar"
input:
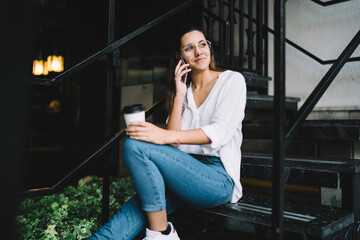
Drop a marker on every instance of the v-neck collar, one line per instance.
(191, 99)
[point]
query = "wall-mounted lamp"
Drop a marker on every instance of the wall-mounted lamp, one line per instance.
(53, 64)
(38, 67)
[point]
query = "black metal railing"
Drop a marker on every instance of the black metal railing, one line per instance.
(309, 54)
(283, 136)
(316, 94)
(93, 156)
(279, 122)
(252, 54)
(328, 3)
(257, 26)
(114, 46)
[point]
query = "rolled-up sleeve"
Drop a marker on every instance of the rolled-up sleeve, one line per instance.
(228, 114)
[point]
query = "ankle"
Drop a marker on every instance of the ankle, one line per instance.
(165, 235)
(167, 230)
(157, 220)
(159, 228)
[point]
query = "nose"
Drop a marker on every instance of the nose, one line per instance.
(198, 51)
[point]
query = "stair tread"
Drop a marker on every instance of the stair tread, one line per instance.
(314, 164)
(266, 102)
(269, 98)
(255, 76)
(324, 122)
(300, 217)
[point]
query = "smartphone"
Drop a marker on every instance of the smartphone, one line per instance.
(186, 76)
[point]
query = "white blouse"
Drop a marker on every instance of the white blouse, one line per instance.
(220, 117)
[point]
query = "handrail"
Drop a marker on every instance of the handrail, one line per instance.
(59, 185)
(316, 94)
(303, 50)
(115, 45)
(309, 54)
(97, 153)
(328, 3)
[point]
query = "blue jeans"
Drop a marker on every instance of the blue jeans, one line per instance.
(166, 177)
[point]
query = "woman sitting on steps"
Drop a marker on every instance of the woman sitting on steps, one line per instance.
(196, 159)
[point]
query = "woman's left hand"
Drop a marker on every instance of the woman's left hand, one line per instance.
(147, 132)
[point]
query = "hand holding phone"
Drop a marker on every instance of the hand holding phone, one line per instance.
(181, 76)
(186, 75)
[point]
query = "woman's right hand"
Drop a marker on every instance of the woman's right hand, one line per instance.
(181, 72)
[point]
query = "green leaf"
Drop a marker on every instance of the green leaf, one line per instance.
(73, 214)
(50, 232)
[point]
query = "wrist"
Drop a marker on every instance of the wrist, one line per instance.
(179, 97)
(175, 139)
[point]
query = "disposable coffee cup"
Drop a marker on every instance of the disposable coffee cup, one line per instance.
(134, 113)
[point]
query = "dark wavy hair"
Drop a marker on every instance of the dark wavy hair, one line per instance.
(175, 57)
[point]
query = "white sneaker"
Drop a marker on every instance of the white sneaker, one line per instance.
(153, 235)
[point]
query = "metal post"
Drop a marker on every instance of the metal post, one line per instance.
(209, 20)
(266, 39)
(221, 31)
(242, 34)
(259, 37)
(231, 20)
(109, 111)
(279, 122)
(250, 36)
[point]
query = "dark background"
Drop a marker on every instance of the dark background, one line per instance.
(38, 145)
(55, 143)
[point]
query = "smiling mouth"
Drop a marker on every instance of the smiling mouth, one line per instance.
(199, 60)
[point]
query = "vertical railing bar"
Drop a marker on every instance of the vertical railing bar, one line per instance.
(266, 35)
(210, 25)
(242, 33)
(259, 37)
(250, 38)
(231, 20)
(207, 19)
(203, 10)
(221, 31)
(279, 122)
(111, 23)
(108, 117)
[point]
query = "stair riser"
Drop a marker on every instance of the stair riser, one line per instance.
(307, 148)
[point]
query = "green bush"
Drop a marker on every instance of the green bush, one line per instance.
(73, 214)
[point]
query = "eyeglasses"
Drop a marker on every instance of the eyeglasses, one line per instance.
(203, 45)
